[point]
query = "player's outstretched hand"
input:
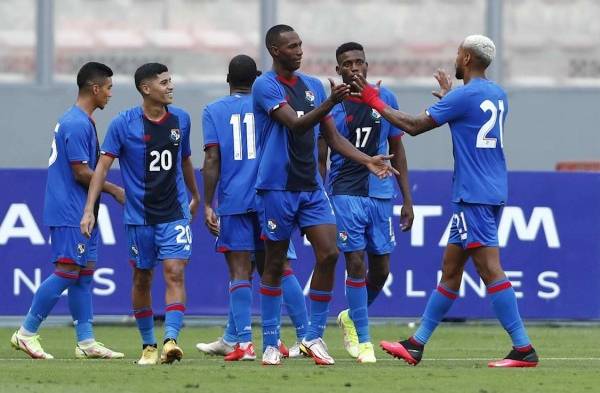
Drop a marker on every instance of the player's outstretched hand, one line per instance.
(194, 204)
(87, 223)
(406, 217)
(338, 92)
(119, 195)
(211, 221)
(367, 93)
(444, 81)
(380, 166)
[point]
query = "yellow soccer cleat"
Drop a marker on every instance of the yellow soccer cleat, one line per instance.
(350, 336)
(149, 356)
(96, 350)
(366, 354)
(30, 345)
(170, 352)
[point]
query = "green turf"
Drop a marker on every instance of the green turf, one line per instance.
(455, 361)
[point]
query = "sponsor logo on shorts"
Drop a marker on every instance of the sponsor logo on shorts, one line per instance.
(80, 248)
(134, 250)
(271, 225)
(343, 236)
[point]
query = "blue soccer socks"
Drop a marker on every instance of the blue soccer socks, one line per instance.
(46, 297)
(173, 320)
(144, 317)
(240, 302)
(270, 304)
(319, 308)
(356, 293)
(504, 303)
(438, 305)
(293, 298)
(80, 305)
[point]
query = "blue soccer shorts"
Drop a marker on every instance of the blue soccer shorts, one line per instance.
(282, 211)
(364, 223)
(239, 232)
(71, 247)
(474, 225)
(151, 244)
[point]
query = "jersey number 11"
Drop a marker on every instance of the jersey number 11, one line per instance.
(237, 136)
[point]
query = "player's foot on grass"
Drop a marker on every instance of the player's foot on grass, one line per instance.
(170, 352)
(149, 356)
(350, 336)
(409, 350)
(219, 347)
(244, 351)
(317, 349)
(366, 354)
(295, 352)
(30, 345)
(285, 352)
(271, 356)
(517, 358)
(96, 350)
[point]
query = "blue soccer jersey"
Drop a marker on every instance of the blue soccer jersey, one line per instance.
(229, 124)
(75, 142)
(368, 132)
(150, 155)
(287, 160)
(476, 113)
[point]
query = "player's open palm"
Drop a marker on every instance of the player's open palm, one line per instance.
(445, 82)
(87, 224)
(211, 221)
(338, 92)
(380, 167)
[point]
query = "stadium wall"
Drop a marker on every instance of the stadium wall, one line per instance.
(544, 125)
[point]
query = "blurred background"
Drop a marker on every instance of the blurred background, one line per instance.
(548, 60)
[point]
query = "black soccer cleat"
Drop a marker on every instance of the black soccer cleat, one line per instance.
(409, 350)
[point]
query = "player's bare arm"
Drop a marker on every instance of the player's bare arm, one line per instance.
(289, 118)
(88, 220)
(412, 125)
(190, 182)
(323, 151)
(83, 175)
(211, 173)
(377, 164)
(398, 162)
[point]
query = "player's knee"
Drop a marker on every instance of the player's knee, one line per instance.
(355, 267)
(174, 275)
(142, 280)
(328, 257)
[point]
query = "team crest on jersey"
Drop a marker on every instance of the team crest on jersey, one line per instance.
(80, 248)
(134, 250)
(272, 225)
(343, 235)
(175, 136)
(310, 97)
(375, 115)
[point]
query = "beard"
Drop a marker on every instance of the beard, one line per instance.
(459, 74)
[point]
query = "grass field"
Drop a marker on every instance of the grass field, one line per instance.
(455, 361)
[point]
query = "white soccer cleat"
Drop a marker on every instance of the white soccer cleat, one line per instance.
(271, 356)
(317, 349)
(96, 350)
(219, 347)
(295, 352)
(30, 345)
(149, 356)
(366, 354)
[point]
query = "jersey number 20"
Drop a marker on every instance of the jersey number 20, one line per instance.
(483, 142)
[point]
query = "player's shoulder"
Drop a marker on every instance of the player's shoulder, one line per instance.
(312, 81)
(74, 119)
(266, 78)
(177, 111)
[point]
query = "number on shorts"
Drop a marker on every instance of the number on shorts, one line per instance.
(185, 234)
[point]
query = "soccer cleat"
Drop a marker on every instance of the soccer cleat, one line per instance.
(350, 337)
(285, 352)
(317, 349)
(149, 356)
(240, 353)
(408, 350)
(96, 350)
(517, 359)
(30, 345)
(271, 356)
(295, 352)
(170, 352)
(218, 347)
(366, 354)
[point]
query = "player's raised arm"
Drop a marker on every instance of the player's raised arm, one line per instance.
(412, 125)
(376, 164)
(211, 173)
(88, 220)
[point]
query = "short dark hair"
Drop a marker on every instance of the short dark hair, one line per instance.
(148, 71)
(273, 34)
(347, 47)
(242, 71)
(92, 73)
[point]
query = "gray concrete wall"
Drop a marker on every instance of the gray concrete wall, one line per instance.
(544, 125)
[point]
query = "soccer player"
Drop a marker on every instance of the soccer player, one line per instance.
(363, 203)
(72, 160)
(230, 160)
(475, 113)
(290, 110)
(152, 142)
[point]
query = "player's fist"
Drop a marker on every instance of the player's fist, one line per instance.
(87, 223)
